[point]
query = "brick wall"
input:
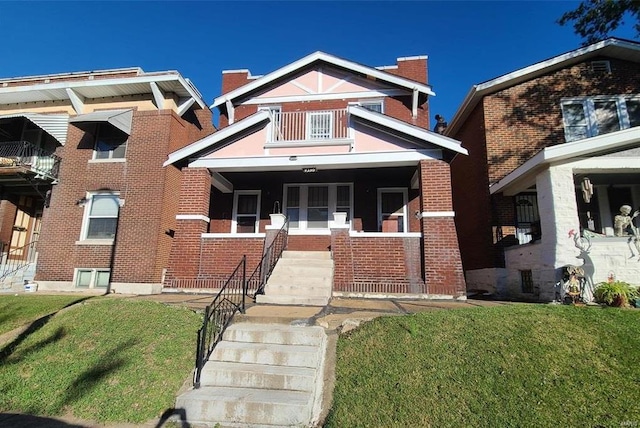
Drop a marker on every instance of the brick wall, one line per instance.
(309, 243)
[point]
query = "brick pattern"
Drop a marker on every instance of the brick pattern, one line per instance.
(309, 243)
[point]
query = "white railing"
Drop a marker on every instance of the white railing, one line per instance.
(318, 125)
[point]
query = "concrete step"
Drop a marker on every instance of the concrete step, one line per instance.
(266, 353)
(220, 373)
(320, 255)
(246, 406)
(285, 299)
(302, 282)
(300, 290)
(274, 334)
(306, 263)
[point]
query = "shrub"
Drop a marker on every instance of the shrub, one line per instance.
(616, 293)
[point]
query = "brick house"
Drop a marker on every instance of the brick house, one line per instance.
(553, 155)
(319, 137)
(85, 198)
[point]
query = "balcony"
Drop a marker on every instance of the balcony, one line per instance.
(20, 158)
(318, 127)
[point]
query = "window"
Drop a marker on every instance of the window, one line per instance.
(588, 117)
(101, 216)
(111, 143)
(392, 210)
(526, 281)
(246, 211)
(92, 278)
(527, 218)
(372, 105)
(311, 206)
(319, 125)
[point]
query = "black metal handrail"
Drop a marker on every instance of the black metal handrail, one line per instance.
(218, 315)
(16, 259)
(270, 256)
(25, 154)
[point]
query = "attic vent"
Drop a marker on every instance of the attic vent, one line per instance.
(600, 67)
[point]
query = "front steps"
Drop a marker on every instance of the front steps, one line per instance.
(260, 375)
(15, 281)
(300, 278)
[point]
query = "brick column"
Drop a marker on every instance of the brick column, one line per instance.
(342, 258)
(442, 263)
(191, 222)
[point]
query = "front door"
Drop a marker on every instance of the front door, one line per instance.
(22, 228)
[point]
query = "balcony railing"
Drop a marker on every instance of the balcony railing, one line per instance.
(312, 126)
(25, 155)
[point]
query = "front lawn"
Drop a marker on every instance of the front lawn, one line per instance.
(106, 359)
(21, 309)
(506, 366)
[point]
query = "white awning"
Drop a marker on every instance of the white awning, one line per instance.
(53, 124)
(121, 119)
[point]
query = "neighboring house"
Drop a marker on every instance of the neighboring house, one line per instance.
(84, 192)
(319, 136)
(554, 153)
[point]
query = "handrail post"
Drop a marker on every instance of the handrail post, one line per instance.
(244, 283)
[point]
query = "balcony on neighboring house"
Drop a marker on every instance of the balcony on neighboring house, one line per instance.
(312, 128)
(22, 159)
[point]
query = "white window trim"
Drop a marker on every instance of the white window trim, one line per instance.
(380, 101)
(405, 201)
(588, 104)
(234, 221)
(303, 207)
(85, 218)
(311, 114)
(92, 281)
(110, 158)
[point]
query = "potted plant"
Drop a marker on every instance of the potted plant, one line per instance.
(615, 293)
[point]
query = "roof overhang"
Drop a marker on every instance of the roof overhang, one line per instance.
(407, 129)
(209, 142)
(119, 119)
(370, 72)
(53, 124)
(319, 162)
(522, 176)
(612, 47)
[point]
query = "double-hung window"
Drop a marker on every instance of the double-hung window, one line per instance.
(246, 211)
(319, 125)
(101, 216)
(392, 210)
(110, 143)
(311, 206)
(589, 117)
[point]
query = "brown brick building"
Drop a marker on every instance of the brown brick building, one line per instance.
(85, 198)
(344, 151)
(553, 155)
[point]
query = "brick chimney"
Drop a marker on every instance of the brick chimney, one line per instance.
(413, 67)
(233, 79)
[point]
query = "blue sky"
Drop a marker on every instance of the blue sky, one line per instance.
(467, 42)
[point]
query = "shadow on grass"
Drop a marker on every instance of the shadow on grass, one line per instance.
(170, 415)
(17, 420)
(36, 325)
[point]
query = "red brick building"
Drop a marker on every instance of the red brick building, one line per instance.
(344, 151)
(553, 155)
(85, 199)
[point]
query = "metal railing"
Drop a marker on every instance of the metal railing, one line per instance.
(320, 125)
(231, 298)
(26, 155)
(17, 259)
(218, 315)
(270, 256)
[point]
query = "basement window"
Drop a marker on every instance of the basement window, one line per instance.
(526, 281)
(92, 278)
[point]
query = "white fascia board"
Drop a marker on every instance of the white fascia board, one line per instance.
(586, 147)
(322, 162)
(329, 59)
(77, 84)
(527, 73)
(216, 137)
(408, 129)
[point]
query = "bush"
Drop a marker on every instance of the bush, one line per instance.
(616, 293)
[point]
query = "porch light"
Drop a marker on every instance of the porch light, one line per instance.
(293, 158)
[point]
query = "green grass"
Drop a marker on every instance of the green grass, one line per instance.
(19, 310)
(506, 366)
(106, 359)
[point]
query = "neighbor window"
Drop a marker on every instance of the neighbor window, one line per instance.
(526, 281)
(588, 117)
(392, 210)
(246, 211)
(527, 218)
(319, 125)
(372, 105)
(111, 143)
(101, 216)
(92, 278)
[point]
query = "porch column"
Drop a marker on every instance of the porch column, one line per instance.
(342, 257)
(558, 215)
(442, 263)
(192, 221)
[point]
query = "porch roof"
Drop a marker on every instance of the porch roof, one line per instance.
(53, 124)
(120, 119)
(329, 59)
(520, 177)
